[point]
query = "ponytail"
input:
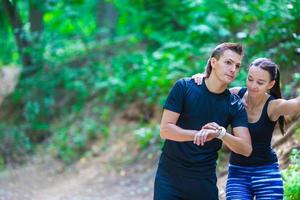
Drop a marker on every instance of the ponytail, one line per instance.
(275, 91)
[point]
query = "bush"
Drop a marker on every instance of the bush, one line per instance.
(73, 136)
(14, 144)
(147, 135)
(291, 177)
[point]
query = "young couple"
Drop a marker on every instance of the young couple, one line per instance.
(194, 125)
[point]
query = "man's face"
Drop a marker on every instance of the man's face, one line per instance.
(227, 67)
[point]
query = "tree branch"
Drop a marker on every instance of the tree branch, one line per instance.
(291, 130)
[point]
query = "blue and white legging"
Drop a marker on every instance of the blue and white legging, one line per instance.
(262, 182)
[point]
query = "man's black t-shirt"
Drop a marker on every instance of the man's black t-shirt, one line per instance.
(198, 106)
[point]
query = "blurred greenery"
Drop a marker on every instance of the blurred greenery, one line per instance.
(90, 59)
(292, 88)
(291, 177)
(147, 135)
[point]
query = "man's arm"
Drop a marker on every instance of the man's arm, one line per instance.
(240, 142)
(169, 130)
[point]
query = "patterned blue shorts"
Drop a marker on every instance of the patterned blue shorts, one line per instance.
(262, 182)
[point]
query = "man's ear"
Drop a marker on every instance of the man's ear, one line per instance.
(271, 84)
(213, 61)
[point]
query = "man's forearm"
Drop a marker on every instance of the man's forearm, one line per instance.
(173, 132)
(238, 145)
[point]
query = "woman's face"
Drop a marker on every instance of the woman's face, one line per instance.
(258, 81)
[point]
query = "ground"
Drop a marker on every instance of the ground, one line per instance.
(47, 179)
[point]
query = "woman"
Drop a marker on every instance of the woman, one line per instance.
(259, 175)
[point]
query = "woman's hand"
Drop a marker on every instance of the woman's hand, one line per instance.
(199, 78)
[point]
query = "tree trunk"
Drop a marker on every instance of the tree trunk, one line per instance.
(106, 17)
(35, 18)
(20, 37)
(36, 28)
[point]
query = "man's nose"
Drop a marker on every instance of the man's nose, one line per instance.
(233, 69)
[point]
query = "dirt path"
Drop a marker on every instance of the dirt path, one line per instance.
(46, 180)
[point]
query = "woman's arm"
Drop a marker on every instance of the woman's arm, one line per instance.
(281, 107)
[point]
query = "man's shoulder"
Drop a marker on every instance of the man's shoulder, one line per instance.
(236, 101)
(185, 82)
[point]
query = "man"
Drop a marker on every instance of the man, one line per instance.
(194, 125)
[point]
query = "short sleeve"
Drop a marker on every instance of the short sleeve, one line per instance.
(239, 115)
(175, 98)
(242, 92)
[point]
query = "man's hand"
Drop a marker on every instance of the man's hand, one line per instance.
(205, 135)
(212, 126)
(221, 131)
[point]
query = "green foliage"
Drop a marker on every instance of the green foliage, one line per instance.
(222, 162)
(147, 135)
(275, 36)
(8, 50)
(71, 140)
(261, 25)
(297, 134)
(15, 144)
(292, 88)
(149, 77)
(291, 177)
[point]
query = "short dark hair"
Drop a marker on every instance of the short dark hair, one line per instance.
(219, 50)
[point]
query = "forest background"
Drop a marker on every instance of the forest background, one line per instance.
(86, 72)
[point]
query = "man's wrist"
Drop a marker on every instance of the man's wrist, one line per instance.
(221, 133)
